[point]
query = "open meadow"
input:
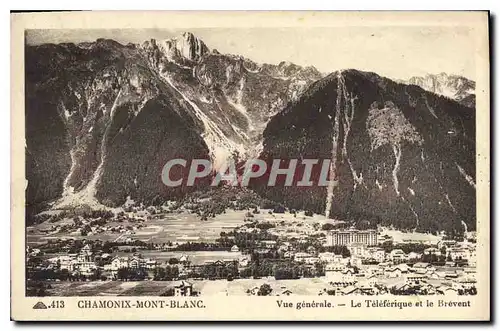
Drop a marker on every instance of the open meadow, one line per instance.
(179, 227)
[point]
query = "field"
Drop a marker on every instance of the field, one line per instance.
(171, 227)
(287, 216)
(306, 286)
(189, 227)
(181, 227)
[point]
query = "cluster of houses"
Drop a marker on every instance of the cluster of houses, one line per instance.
(343, 278)
(86, 262)
(456, 250)
(132, 262)
(399, 271)
(395, 270)
(451, 249)
(370, 269)
(85, 229)
(386, 275)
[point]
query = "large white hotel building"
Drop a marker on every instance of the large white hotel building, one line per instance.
(351, 236)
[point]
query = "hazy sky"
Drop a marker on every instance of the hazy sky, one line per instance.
(395, 52)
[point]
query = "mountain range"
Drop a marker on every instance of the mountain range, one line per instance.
(103, 118)
(455, 87)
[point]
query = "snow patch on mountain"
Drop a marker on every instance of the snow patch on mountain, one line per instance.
(335, 137)
(415, 214)
(220, 146)
(449, 202)
(431, 110)
(349, 105)
(397, 154)
(237, 104)
(87, 196)
(468, 178)
(454, 87)
(65, 111)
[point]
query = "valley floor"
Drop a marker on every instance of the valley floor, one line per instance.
(239, 252)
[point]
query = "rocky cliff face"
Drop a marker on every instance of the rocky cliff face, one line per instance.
(103, 118)
(234, 96)
(400, 155)
(455, 87)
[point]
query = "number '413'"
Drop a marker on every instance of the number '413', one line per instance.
(57, 304)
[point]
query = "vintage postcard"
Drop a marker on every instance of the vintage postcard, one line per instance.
(185, 166)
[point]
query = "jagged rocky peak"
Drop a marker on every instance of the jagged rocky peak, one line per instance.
(184, 47)
(455, 87)
(185, 50)
(286, 69)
